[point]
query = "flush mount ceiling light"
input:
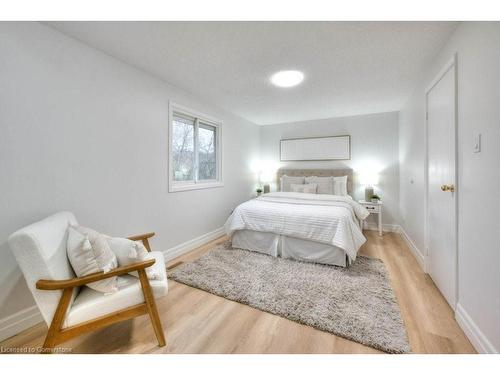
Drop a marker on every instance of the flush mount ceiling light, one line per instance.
(287, 78)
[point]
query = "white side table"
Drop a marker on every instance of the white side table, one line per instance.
(373, 208)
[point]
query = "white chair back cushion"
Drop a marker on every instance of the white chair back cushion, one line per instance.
(40, 250)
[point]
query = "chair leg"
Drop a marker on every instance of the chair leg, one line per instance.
(151, 305)
(58, 319)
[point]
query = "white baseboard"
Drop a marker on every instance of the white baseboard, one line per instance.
(413, 248)
(187, 246)
(19, 321)
(385, 227)
(472, 331)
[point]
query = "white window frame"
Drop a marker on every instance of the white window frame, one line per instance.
(174, 186)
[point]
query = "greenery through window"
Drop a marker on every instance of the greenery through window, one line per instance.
(183, 148)
(207, 161)
(194, 151)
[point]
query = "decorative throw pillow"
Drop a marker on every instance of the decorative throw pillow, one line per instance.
(128, 252)
(90, 254)
(304, 188)
(340, 185)
(325, 184)
(150, 271)
(287, 181)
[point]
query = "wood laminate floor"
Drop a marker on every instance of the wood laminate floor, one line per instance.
(199, 322)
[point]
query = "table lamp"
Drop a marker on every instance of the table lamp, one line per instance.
(369, 179)
(266, 178)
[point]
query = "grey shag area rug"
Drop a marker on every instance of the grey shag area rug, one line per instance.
(356, 303)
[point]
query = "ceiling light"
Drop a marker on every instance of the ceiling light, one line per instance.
(287, 78)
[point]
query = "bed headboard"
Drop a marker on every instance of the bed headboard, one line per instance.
(318, 173)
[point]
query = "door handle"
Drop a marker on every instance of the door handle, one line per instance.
(450, 188)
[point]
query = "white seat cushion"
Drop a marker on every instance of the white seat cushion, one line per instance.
(90, 304)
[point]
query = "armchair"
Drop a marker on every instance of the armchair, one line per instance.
(68, 306)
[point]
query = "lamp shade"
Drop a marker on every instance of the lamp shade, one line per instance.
(369, 178)
(267, 176)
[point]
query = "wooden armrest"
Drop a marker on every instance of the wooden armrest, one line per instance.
(79, 281)
(144, 238)
(141, 236)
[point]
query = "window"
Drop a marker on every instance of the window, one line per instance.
(195, 150)
(207, 161)
(183, 148)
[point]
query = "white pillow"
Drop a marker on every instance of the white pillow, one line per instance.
(128, 252)
(304, 188)
(287, 181)
(325, 184)
(90, 253)
(340, 185)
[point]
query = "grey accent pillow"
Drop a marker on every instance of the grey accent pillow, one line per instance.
(89, 252)
(129, 252)
(287, 181)
(325, 184)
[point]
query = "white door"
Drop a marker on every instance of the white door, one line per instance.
(441, 184)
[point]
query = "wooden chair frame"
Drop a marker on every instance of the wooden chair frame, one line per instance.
(57, 334)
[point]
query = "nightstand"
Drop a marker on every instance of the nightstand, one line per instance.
(373, 208)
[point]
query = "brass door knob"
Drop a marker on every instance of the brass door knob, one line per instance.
(450, 188)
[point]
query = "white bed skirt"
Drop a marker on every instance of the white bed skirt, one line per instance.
(289, 247)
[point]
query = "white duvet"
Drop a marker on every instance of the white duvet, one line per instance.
(329, 219)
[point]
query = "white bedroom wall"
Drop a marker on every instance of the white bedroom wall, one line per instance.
(476, 44)
(374, 144)
(81, 131)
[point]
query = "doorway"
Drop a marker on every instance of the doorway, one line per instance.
(441, 176)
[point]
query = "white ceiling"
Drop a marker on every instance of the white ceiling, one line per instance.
(350, 67)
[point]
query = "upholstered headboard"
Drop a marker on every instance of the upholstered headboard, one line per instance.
(318, 173)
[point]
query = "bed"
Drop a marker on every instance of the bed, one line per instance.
(320, 228)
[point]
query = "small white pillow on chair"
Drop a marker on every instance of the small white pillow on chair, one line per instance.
(304, 188)
(128, 252)
(86, 258)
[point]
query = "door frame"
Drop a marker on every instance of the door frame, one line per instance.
(450, 64)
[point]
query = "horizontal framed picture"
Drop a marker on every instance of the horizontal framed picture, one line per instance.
(336, 147)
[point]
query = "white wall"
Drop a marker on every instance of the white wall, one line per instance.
(411, 169)
(374, 143)
(81, 131)
(477, 45)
